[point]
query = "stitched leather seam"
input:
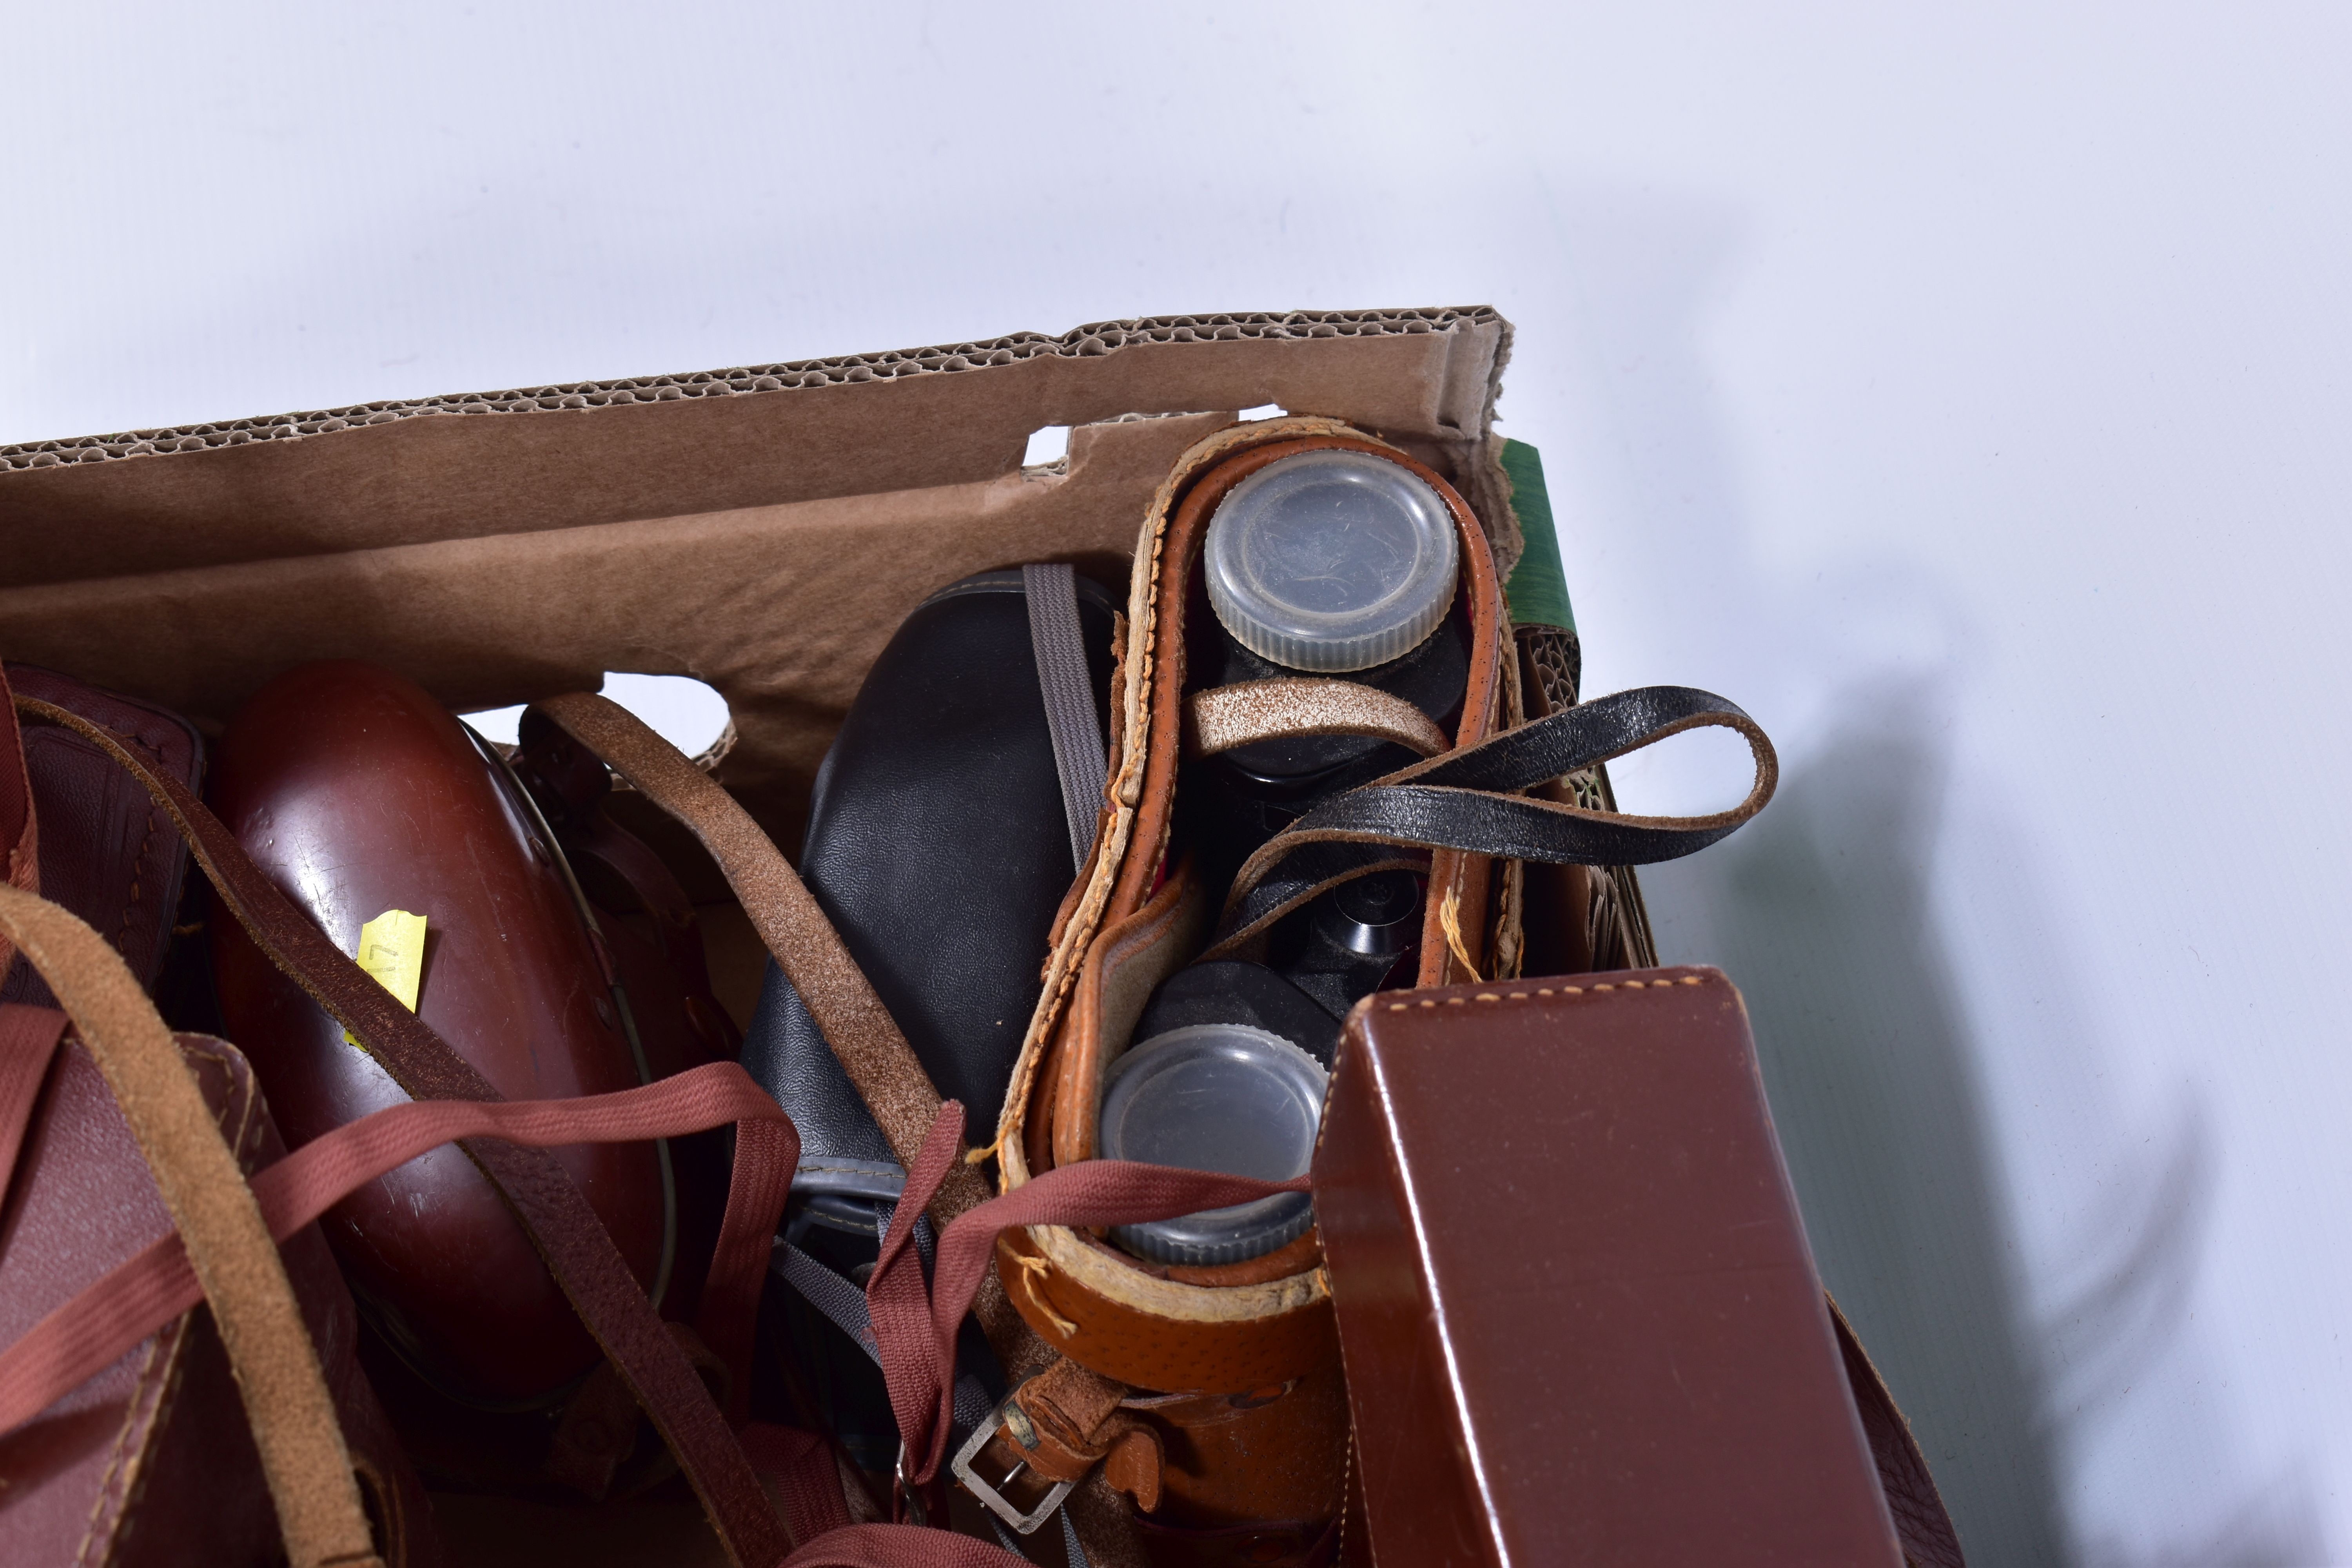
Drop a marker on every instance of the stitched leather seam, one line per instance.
(136, 1473)
(138, 875)
(153, 1396)
(1544, 992)
(155, 758)
(150, 1393)
(240, 1103)
(114, 1455)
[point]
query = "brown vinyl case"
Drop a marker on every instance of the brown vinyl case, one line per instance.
(1578, 1314)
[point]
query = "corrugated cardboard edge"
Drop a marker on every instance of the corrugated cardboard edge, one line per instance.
(1087, 342)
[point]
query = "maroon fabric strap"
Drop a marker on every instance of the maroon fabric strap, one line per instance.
(28, 1038)
(899, 1546)
(565, 1230)
(139, 1297)
(802, 1466)
(915, 1329)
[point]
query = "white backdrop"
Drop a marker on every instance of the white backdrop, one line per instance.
(1967, 391)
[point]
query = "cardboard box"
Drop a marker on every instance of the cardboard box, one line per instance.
(763, 529)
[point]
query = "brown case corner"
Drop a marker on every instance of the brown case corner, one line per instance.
(1580, 1319)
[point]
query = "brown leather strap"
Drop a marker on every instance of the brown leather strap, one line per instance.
(20, 859)
(1074, 1421)
(28, 1038)
(884, 1069)
(1922, 1525)
(578, 1251)
(303, 1457)
(1224, 717)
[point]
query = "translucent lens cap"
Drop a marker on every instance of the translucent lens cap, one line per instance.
(1216, 1097)
(1331, 561)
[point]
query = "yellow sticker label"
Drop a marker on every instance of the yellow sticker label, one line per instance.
(392, 949)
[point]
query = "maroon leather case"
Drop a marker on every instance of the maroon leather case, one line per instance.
(1579, 1317)
(150, 1461)
(107, 852)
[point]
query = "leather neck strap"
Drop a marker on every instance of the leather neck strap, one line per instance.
(1466, 800)
(578, 1251)
(1223, 718)
(881, 1065)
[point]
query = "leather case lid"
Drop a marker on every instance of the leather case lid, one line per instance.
(1580, 1320)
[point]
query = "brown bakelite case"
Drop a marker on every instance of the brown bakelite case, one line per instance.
(359, 793)
(1579, 1317)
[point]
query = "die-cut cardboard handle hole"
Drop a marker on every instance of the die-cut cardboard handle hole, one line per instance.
(687, 713)
(1047, 444)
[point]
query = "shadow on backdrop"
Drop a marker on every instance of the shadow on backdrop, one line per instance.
(1819, 912)
(2014, 1371)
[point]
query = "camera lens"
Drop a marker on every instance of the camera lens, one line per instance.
(1373, 915)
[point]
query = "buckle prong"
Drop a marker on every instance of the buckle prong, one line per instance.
(1005, 1416)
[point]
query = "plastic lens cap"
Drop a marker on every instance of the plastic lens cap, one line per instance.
(1331, 561)
(1216, 1097)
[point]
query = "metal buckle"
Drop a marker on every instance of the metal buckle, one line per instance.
(1011, 1417)
(908, 1495)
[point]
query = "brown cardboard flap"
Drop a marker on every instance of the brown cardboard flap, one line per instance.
(760, 529)
(517, 462)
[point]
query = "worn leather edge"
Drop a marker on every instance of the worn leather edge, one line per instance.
(1120, 873)
(1135, 745)
(1227, 717)
(295, 1427)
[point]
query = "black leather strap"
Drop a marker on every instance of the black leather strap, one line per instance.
(1464, 800)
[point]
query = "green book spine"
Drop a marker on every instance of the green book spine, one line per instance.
(1537, 590)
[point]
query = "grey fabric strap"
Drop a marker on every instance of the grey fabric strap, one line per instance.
(1079, 756)
(837, 1298)
(1070, 1547)
(844, 1305)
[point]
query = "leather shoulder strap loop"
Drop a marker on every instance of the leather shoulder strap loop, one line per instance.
(1461, 801)
(303, 1457)
(883, 1067)
(1597, 731)
(1225, 717)
(569, 1237)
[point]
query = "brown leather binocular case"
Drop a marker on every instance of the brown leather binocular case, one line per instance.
(1216, 1390)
